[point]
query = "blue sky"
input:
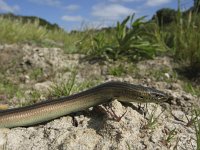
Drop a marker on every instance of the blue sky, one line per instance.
(71, 14)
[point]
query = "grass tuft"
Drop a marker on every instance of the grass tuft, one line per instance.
(15, 31)
(69, 87)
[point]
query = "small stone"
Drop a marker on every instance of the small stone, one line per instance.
(187, 97)
(148, 80)
(167, 75)
(44, 86)
(41, 54)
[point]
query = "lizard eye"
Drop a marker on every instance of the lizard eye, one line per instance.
(157, 95)
(141, 97)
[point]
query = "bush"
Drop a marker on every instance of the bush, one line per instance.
(187, 41)
(131, 42)
(165, 16)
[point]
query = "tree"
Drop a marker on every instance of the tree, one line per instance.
(197, 5)
(165, 16)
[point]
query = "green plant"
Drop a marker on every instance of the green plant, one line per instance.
(187, 45)
(170, 135)
(165, 16)
(132, 41)
(17, 31)
(194, 121)
(69, 87)
(10, 89)
(36, 73)
(197, 130)
(194, 90)
(163, 36)
(196, 5)
(85, 85)
(152, 119)
(62, 89)
(194, 118)
(117, 70)
(181, 37)
(125, 41)
(33, 97)
(99, 46)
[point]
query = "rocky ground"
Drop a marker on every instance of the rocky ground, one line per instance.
(151, 126)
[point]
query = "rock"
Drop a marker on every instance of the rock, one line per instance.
(140, 128)
(43, 87)
(187, 96)
(47, 59)
(167, 75)
(3, 138)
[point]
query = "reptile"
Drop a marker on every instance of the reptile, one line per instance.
(50, 109)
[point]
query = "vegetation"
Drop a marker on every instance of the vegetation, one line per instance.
(170, 32)
(129, 41)
(15, 31)
(152, 119)
(69, 87)
(190, 88)
(173, 32)
(186, 41)
(179, 34)
(135, 39)
(64, 88)
(31, 19)
(197, 128)
(36, 73)
(9, 90)
(117, 71)
(170, 136)
(165, 16)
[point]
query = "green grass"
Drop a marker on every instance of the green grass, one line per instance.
(122, 69)
(117, 70)
(181, 39)
(187, 45)
(36, 73)
(133, 42)
(131, 38)
(9, 89)
(31, 98)
(63, 89)
(152, 119)
(112, 43)
(189, 88)
(170, 136)
(96, 44)
(69, 87)
(197, 131)
(194, 121)
(128, 39)
(18, 32)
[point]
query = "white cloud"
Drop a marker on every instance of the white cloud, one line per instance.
(95, 24)
(123, 0)
(47, 2)
(111, 11)
(6, 8)
(157, 2)
(72, 18)
(72, 7)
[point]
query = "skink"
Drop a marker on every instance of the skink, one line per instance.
(51, 109)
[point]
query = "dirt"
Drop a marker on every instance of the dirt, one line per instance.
(35, 68)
